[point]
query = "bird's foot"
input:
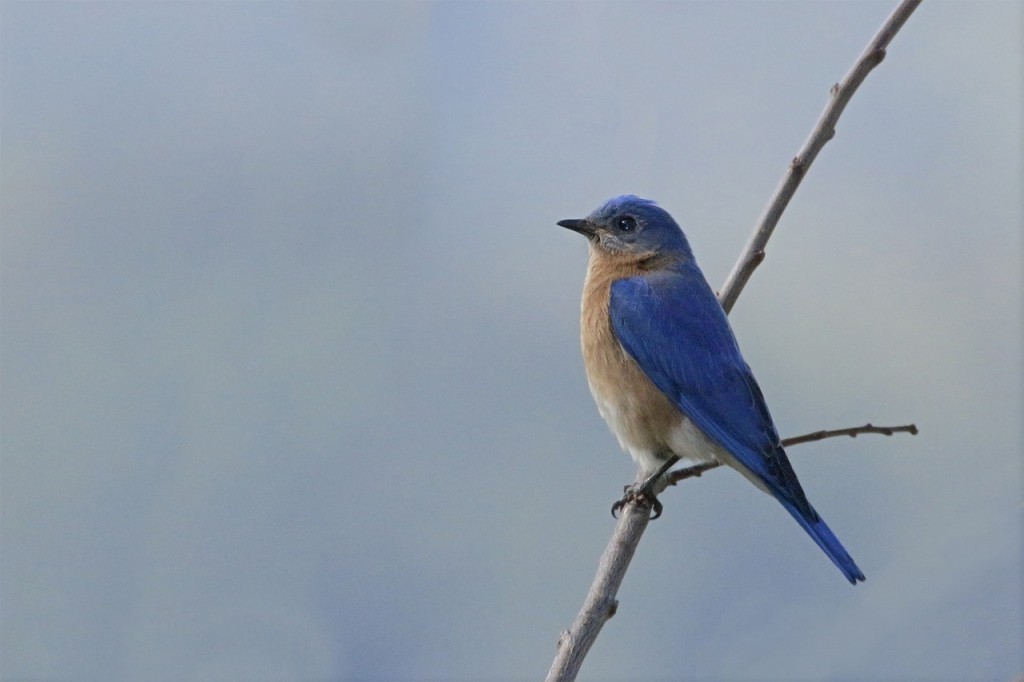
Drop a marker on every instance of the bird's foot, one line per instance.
(645, 494)
(640, 495)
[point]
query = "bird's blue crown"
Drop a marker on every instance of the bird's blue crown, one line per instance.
(639, 224)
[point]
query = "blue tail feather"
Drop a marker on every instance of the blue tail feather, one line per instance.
(829, 543)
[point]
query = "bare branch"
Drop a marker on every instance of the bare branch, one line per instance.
(841, 93)
(601, 604)
(696, 470)
(852, 432)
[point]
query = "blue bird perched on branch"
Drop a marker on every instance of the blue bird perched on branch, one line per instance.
(665, 369)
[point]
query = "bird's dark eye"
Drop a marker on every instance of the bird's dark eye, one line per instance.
(626, 223)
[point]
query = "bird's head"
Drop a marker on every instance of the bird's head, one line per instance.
(633, 228)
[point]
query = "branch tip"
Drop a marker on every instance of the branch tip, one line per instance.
(824, 131)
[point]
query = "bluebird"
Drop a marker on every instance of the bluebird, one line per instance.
(665, 369)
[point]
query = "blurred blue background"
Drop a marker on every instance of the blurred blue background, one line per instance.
(291, 384)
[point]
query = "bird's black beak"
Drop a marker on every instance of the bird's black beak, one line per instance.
(584, 227)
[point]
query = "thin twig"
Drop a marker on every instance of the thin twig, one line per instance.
(600, 604)
(852, 432)
(841, 93)
(697, 469)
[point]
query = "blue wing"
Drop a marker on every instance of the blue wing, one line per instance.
(672, 325)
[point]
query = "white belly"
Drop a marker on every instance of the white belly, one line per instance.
(650, 447)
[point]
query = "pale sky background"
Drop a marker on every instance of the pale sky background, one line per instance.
(291, 383)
